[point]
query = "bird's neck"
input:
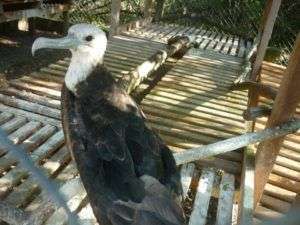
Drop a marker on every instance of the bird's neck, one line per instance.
(81, 66)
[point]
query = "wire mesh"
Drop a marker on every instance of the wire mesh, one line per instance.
(242, 18)
(98, 11)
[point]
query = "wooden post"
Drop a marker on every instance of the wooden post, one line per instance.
(114, 17)
(159, 10)
(268, 21)
(148, 8)
(264, 35)
(283, 110)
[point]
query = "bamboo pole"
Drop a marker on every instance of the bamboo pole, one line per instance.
(263, 38)
(114, 17)
(131, 80)
(235, 143)
(285, 104)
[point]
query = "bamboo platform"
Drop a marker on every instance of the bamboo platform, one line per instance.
(208, 40)
(191, 105)
(195, 94)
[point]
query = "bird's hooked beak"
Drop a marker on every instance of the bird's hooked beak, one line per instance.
(68, 42)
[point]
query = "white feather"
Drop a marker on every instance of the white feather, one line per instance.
(86, 56)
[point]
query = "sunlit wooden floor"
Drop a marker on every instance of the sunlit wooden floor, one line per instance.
(192, 105)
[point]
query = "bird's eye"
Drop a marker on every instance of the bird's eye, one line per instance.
(89, 38)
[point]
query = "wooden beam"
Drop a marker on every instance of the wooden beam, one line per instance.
(114, 17)
(246, 204)
(284, 107)
(235, 143)
(148, 8)
(270, 14)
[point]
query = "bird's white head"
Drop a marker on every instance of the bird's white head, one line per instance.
(87, 44)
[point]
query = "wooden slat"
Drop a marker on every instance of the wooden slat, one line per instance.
(225, 204)
(29, 106)
(48, 92)
(29, 115)
(266, 214)
(275, 204)
(14, 176)
(4, 117)
(187, 174)
(29, 145)
(234, 46)
(227, 45)
(22, 133)
(23, 193)
(31, 97)
(203, 195)
(279, 193)
(13, 124)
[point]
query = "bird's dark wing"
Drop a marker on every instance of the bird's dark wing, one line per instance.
(140, 218)
(89, 165)
(156, 208)
(151, 155)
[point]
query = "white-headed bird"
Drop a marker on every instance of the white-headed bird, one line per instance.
(128, 172)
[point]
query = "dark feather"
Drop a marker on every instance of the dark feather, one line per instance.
(113, 148)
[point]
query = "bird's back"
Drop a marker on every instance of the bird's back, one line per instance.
(112, 146)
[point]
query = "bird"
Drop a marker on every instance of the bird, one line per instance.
(129, 173)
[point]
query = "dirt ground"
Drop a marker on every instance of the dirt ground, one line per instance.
(15, 51)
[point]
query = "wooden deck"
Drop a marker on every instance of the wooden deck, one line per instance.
(208, 40)
(196, 94)
(191, 105)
